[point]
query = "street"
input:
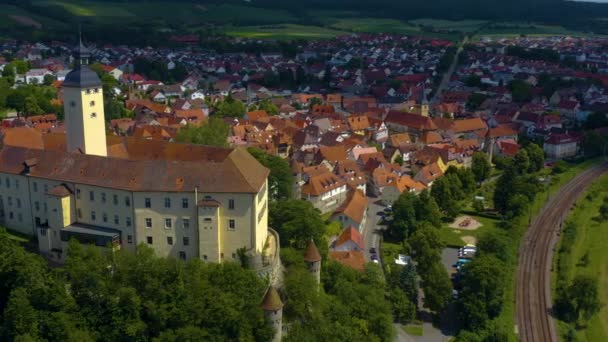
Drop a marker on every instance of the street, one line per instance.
(448, 75)
(371, 234)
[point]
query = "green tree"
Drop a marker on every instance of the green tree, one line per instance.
(481, 166)
(521, 91)
(214, 133)
(437, 287)
(280, 180)
(408, 282)
(297, 221)
(230, 107)
(536, 156)
(522, 161)
(584, 296)
(596, 120)
(404, 216)
(482, 294)
(269, 107)
(48, 80)
(426, 209)
(20, 317)
(404, 310)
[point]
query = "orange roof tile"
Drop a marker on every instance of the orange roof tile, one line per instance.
(352, 259)
(350, 233)
(355, 206)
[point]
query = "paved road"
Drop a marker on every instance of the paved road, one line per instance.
(448, 75)
(371, 234)
(533, 300)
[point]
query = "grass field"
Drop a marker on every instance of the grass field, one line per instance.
(450, 25)
(514, 29)
(282, 32)
(414, 330)
(453, 237)
(590, 239)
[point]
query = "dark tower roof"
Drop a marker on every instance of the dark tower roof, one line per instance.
(312, 253)
(82, 76)
(272, 301)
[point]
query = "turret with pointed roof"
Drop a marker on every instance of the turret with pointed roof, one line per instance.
(273, 308)
(313, 260)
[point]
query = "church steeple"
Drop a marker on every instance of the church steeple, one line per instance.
(424, 102)
(83, 106)
(81, 54)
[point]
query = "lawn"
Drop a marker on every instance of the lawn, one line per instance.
(375, 25)
(283, 32)
(514, 29)
(413, 330)
(450, 25)
(590, 239)
(453, 237)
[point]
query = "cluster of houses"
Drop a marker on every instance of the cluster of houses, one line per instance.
(369, 133)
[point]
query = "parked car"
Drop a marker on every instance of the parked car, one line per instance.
(374, 257)
(372, 250)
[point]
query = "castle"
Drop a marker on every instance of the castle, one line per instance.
(184, 201)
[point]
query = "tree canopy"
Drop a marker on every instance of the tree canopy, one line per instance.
(124, 296)
(213, 133)
(280, 180)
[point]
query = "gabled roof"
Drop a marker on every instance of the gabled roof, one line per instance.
(351, 234)
(320, 184)
(358, 122)
(354, 207)
(410, 120)
(175, 167)
(333, 153)
(352, 259)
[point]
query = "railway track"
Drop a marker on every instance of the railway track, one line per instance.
(533, 300)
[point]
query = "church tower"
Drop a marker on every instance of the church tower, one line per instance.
(424, 103)
(83, 107)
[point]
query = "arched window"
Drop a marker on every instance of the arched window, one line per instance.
(93, 115)
(92, 103)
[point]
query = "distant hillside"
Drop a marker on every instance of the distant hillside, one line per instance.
(145, 21)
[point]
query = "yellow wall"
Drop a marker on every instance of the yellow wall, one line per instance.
(250, 215)
(85, 131)
(84, 207)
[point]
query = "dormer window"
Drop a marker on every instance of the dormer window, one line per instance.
(93, 115)
(96, 90)
(88, 91)
(72, 104)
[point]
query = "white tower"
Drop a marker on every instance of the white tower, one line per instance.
(83, 107)
(273, 309)
(313, 261)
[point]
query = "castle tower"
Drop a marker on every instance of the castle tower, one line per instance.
(83, 107)
(273, 309)
(313, 261)
(424, 103)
